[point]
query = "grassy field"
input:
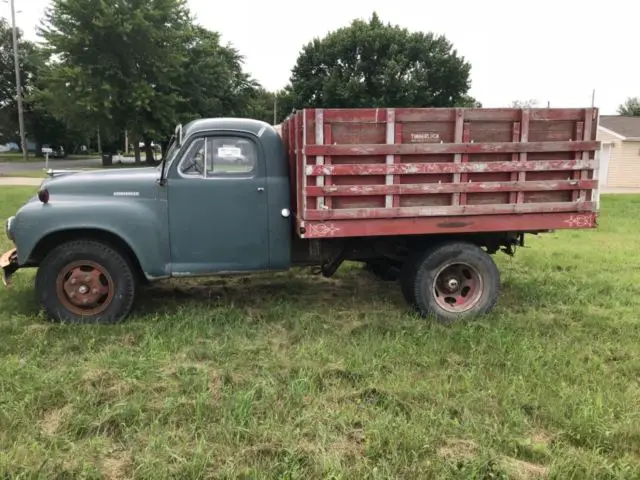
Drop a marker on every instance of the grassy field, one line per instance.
(295, 376)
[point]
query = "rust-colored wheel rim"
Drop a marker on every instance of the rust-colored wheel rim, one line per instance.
(85, 287)
(458, 287)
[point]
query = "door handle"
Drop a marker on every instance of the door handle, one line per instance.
(261, 189)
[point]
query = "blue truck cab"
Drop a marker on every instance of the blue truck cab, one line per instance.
(219, 203)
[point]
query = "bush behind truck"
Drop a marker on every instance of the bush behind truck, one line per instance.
(422, 196)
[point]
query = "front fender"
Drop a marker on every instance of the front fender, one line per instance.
(140, 223)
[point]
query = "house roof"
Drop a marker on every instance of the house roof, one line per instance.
(625, 127)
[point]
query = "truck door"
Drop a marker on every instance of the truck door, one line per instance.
(217, 205)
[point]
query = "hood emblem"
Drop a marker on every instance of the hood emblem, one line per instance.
(126, 194)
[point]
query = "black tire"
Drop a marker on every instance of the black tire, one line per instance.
(435, 276)
(105, 270)
(382, 269)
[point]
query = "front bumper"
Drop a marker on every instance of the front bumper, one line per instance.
(9, 264)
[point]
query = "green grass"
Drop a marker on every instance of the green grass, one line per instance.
(24, 174)
(295, 376)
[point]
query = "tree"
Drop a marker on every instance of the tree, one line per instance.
(9, 130)
(370, 64)
(531, 103)
(116, 63)
(262, 103)
(630, 108)
(213, 81)
(139, 66)
(39, 124)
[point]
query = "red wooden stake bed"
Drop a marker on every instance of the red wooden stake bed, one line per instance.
(406, 171)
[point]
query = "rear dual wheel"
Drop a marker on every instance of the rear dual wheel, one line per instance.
(451, 281)
(85, 281)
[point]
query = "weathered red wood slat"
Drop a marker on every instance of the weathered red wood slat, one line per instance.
(396, 160)
(319, 133)
(588, 122)
(441, 167)
(449, 224)
(409, 115)
(449, 148)
(433, 211)
(457, 138)
(515, 136)
(327, 136)
(579, 131)
(390, 137)
(301, 178)
(427, 188)
(524, 137)
(465, 158)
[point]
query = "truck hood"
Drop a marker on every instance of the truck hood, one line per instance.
(129, 182)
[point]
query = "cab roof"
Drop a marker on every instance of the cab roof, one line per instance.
(248, 125)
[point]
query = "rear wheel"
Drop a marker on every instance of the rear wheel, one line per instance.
(453, 281)
(85, 281)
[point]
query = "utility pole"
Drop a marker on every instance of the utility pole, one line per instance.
(23, 140)
(593, 97)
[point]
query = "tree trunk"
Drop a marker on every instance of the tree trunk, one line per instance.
(149, 152)
(136, 150)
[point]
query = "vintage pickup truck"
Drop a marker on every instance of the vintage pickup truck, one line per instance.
(422, 196)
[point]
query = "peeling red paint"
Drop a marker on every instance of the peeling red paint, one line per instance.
(471, 167)
(432, 211)
(415, 189)
(381, 173)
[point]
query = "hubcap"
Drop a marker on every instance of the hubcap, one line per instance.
(85, 288)
(457, 287)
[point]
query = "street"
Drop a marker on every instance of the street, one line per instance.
(7, 167)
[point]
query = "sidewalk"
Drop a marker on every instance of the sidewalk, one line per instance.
(20, 181)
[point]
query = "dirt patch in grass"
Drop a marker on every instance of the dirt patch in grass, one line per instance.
(52, 420)
(117, 465)
(521, 470)
(457, 449)
(105, 383)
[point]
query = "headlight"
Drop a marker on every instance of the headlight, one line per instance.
(7, 227)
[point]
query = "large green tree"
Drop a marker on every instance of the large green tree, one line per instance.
(139, 66)
(9, 130)
(372, 64)
(631, 107)
(40, 126)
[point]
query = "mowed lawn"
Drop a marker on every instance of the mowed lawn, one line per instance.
(296, 376)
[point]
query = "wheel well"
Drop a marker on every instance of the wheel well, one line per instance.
(52, 240)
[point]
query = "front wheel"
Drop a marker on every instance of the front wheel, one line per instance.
(455, 280)
(85, 281)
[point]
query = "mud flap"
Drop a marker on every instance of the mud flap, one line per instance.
(9, 264)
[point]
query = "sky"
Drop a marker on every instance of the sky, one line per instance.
(555, 51)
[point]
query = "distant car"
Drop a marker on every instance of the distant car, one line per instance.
(55, 151)
(12, 147)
